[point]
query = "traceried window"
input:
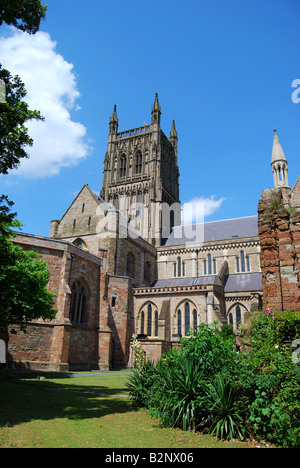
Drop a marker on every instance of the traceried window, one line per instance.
(235, 316)
(138, 163)
(242, 262)
(123, 166)
(210, 265)
(238, 315)
(148, 320)
(186, 319)
(78, 311)
(179, 267)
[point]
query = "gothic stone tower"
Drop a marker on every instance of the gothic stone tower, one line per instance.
(141, 176)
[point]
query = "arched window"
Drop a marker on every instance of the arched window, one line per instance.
(210, 265)
(130, 265)
(149, 321)
(195, 321)
(142, 322)
(235, 315)
(248, 262)
(156, 324)
(187, 322)
(179, 324)
(138, 163)
(238, 315)
(237, 264)
(123, 166)
(179, 266)
(79, 243)
(242, 262)
(78, 311)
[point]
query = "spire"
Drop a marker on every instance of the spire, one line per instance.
(174, 139)
(156, 104)
(173, 133)
(277, 152)
(156, 111)
(113, 123)
(114, 117)
(279, 164)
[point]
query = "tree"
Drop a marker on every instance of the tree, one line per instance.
(14, 112)
(23, 278)
(23, 275)
(23, 14)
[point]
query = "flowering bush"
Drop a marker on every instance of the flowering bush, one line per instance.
(139, 354)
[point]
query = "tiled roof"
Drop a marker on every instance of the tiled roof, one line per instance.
(233, 283)
(214, 231)
(173, 282)
(244, 282)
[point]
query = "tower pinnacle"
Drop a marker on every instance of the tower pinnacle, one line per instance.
(156, 112)
(279, 164)
(113, 123)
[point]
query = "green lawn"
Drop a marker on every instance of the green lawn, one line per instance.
(84, 412)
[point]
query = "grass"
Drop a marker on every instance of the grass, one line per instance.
(84, 412)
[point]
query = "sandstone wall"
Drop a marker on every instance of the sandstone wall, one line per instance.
(279, 232)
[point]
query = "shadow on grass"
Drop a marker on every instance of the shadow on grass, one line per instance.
(26, 400)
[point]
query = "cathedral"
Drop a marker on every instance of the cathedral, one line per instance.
(123, 264)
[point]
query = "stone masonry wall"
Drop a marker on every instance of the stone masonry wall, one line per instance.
(279, 232)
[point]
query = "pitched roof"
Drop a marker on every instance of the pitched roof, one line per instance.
(233, 283)
(214, 231)
(244, 282)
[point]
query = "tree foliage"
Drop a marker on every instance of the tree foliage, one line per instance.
(25, 15)
(23, 278)
(14, 113)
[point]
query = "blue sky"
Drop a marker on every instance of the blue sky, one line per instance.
(222, 69)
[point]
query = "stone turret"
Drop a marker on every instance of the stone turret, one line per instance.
(279, 164)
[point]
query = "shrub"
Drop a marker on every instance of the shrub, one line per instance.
(207, 385)
(141, 383)
(271, 378)
(225, 412)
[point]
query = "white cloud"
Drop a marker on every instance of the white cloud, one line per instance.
(51, 88)
(195, 210)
